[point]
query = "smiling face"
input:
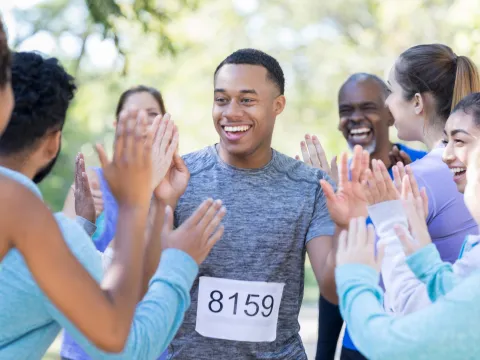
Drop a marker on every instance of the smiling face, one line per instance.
(364, 119)
(460, 138)
(246, 104)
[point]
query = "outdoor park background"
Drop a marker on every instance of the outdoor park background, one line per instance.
(175, 45)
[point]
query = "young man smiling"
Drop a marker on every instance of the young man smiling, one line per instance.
(246, 300)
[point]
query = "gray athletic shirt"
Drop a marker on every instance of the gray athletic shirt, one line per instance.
(272, 212)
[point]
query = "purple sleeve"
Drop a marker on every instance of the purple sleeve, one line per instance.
(110, 210)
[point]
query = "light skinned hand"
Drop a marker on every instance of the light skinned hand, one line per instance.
(418, 235)
(350, 200)
(198, 234)
(314, 155)
(378, 185)
(357, 245)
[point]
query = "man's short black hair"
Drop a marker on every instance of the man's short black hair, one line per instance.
(5, 57)
(43, 91)
(359, 77)
(257, 57)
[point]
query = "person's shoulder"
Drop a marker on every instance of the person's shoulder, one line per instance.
(199, 160)
(298, 171)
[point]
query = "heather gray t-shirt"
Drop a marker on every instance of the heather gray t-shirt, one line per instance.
(247, 298)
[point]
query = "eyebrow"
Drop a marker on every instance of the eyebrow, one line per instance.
(245, 91)
(457, 131)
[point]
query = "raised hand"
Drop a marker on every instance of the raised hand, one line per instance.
(350, 200)
(84, 203)
(415, 211)
(197, 235)
(397, 155)
(378, 185)
(97, 196)
(314, 155)
(357, 245)
(175, 182)
(164, 146)
(410, 190)
(129, 174)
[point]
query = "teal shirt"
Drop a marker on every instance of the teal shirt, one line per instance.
(445, 330)
(29, 322)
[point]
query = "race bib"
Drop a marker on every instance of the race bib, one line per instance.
(238, 310)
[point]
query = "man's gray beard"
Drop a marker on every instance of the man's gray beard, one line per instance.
(370, 148)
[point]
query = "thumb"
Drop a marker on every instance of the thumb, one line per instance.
(404, 239)
(334, 166)
(168, 220)
(327, 190)
(102, 156)
(179, 163)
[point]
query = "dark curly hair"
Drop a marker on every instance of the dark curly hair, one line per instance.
(257, 57)
(5, 57)
(43, 91)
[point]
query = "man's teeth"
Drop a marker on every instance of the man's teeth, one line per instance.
(456, 171)
(359, 131)
(237, 128)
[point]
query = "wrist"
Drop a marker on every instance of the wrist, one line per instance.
(164, 202)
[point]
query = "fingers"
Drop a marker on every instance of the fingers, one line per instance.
(208, 217)
(378, 177)
(168, 220)
(423, 195)
(139, 145)
(401, 169)
(334, 166)
(327, 190)
(199, 213)
(215, 222)
(405, 158)
(356, 168)
(305, 154)
(413, 182)
(406, 188)
(316, 161)
(361, 238)
(102, 156)
(397, 179)
(173, 145)
(85, 184)
(373, 190)
(343, 170)
(120, 132)
(217, 235)
(404, 237)
(169, 132)
(320, 152)
(78, 172)
(367, 192)
(179, 163)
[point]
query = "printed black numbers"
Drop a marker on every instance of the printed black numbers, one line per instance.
(253, 306)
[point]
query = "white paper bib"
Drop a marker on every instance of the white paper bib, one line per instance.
(238, 310)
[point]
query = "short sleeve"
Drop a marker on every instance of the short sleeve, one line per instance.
(321, 223)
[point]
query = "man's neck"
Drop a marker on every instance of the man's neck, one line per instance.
(13, 163)
(258, 159)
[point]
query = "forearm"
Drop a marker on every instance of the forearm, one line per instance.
(153, 250)
(327, 284)
(123, 278)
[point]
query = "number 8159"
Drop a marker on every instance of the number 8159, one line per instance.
(253, 307)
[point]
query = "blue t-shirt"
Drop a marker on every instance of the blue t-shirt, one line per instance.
(414, 155)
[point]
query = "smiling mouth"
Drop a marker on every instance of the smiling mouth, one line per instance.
(457, 171)
(360, 135)
(235, 132)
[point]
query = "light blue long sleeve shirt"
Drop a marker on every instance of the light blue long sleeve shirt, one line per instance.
(29, 322)
(445, 330)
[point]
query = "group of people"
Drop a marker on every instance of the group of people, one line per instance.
(156, 255)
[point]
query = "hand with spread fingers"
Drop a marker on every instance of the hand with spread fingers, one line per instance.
(130, 173)
(410, 190)
(357, 245)
(378, 185)
(350, 200)
(314, 155)
(415, 211)
(84, 202)
(197, 235)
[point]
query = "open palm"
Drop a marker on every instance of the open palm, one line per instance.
(175, 182)
(350, 200)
